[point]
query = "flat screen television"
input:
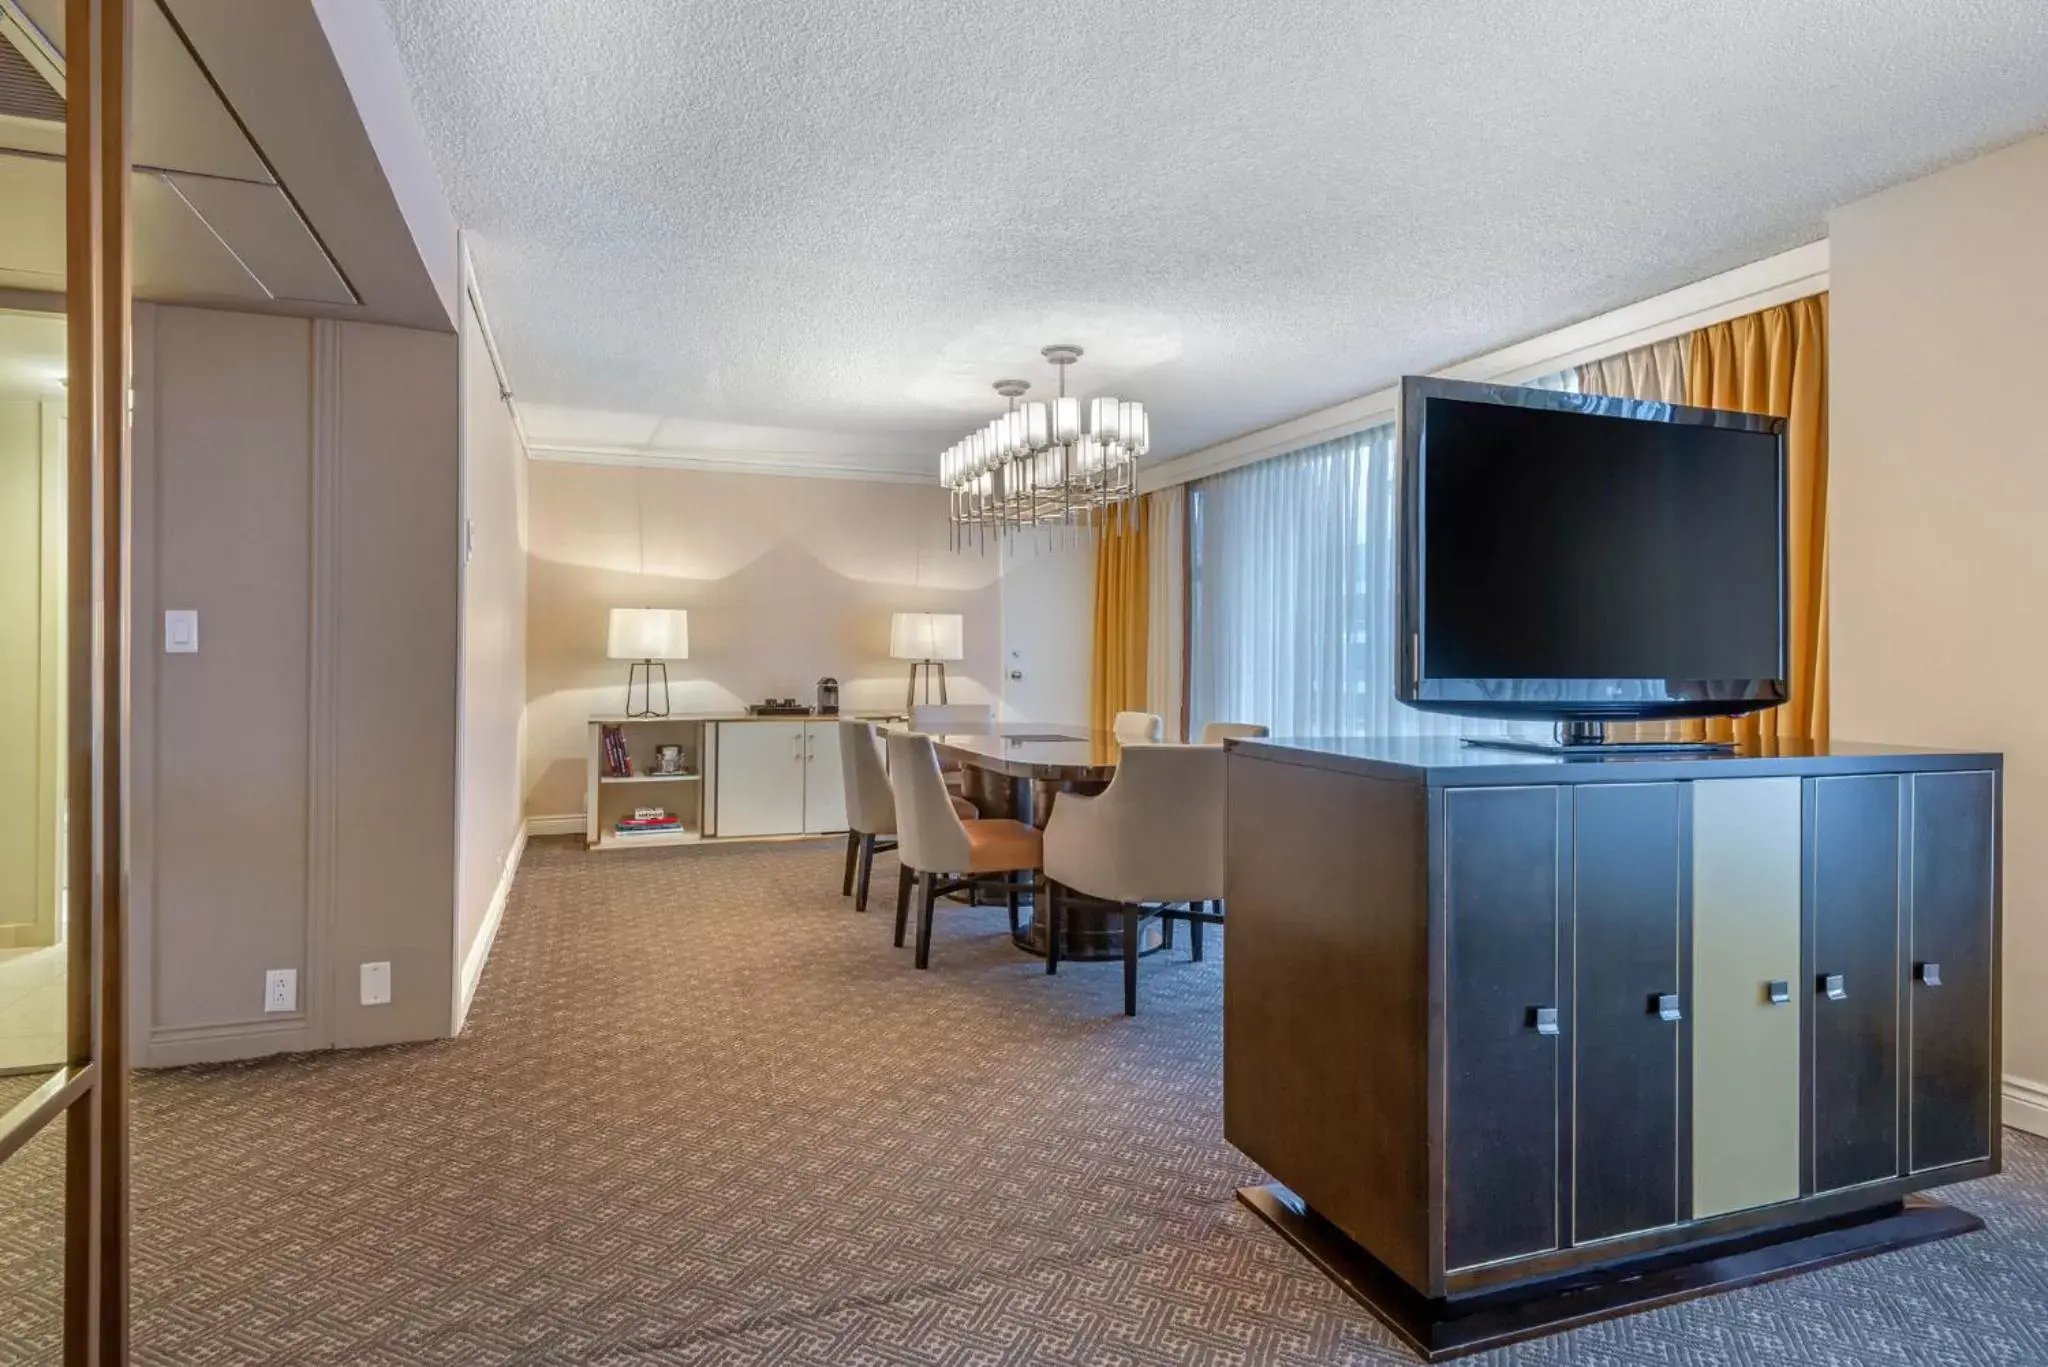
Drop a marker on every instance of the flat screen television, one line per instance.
(1588, 559)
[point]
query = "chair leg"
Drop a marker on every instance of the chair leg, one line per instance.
(852, 853)
(867, 867)
(1166, 932)
(1010, 897)
(1052, 926)
(927, 893)
(1195, 935)
(1130, 960)
(903, 881)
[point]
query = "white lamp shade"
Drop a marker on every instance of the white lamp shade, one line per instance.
(925, 636)
(649, 634)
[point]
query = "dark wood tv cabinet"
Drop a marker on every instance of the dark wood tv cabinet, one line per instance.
(1528, 1041)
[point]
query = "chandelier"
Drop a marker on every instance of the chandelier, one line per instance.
(1038, 466)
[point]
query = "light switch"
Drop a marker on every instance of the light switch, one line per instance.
(181, 631)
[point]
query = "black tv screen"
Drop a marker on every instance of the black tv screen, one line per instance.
(1580, 557)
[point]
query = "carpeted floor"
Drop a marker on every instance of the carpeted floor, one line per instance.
(704, 1113)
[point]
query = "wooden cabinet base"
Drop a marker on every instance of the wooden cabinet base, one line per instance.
(1448, 1328)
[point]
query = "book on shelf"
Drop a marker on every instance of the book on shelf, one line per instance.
(645, 819)
(618, 761)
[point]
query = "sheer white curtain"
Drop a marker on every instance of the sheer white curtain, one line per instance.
(1166, 606)
(1293, 570)
(1654, 372)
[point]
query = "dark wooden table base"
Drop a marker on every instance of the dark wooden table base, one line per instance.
(1092, 930)
(1443, 1329)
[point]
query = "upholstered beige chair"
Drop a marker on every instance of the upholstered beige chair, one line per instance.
(1142, 728)
(943, 853)
(1152, 839)
(870, 807)
(1216, 732)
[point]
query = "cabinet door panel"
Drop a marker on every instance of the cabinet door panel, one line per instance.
(824, 784)
(1502, 1102)
(1853, 900)
(1627, 957)
(760, 778)
(1949, 1024)
(1745, 1042)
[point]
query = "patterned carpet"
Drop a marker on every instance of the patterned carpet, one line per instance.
(706, 1114)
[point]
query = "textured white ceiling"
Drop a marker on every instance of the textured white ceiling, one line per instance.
(853, 216)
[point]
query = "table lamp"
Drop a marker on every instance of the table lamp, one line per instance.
(650, 638)
(927, 640)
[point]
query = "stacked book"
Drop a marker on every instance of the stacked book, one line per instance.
(647, 821)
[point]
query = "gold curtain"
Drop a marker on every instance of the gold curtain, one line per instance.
(1122, 597)
(1776, 362)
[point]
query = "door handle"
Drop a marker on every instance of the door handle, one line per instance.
(1929, 975)
(1667, 1006)
(1544, 1019)
(1778, 991)
(1835, 986)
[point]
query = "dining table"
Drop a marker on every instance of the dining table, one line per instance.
(1018, 770)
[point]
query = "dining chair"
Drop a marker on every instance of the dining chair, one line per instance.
(1151, 842)
(870, 807)
(952, 717)
(1143, 728)
(942, 853)
(1216, 732)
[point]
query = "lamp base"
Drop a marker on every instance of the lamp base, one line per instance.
(635, 674)
(910, 698)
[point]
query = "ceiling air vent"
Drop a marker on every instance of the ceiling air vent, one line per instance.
(25, 93)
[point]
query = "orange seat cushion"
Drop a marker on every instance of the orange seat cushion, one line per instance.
(1002, 844)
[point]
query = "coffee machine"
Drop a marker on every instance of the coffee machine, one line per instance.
(828, 697)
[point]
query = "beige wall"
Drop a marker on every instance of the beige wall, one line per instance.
(493, 651)
(30, 584)
(786, 581)
(294, 782)
(1938, 488)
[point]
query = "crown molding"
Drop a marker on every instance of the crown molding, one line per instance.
(789, 464)
(1789, 275)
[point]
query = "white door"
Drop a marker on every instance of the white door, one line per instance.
(824, 784)
(761, 778)
(1045, 590)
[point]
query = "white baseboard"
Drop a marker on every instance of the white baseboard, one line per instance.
(480, 951)
(2026, 1105)
(572, 824)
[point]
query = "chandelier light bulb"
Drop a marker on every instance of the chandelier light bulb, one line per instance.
(1102, 419)
(1037, 426)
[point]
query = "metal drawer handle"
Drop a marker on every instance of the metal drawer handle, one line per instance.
(1929, 975)
(1667, 1007)
(1835, 985)
(1544, 1018)
(1779, 991)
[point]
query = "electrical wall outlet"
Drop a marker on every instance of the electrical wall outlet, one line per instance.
(281, 990)
(376, 979)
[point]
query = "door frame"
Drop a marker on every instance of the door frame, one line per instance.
(90, 1092)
